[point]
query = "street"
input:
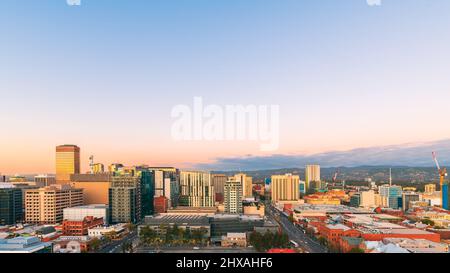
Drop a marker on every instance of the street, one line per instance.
(116, 246)
(306, 243)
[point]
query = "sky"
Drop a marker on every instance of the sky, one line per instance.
(105, 76)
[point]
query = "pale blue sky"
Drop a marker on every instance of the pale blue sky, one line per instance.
(106, 74)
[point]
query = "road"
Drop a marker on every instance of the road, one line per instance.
(196, 250)
(295, 234)
(116, 246)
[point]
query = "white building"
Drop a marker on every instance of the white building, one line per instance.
(233, 196)
(80, 212)
(99, 232)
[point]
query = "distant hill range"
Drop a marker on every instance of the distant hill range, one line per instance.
(357, 174)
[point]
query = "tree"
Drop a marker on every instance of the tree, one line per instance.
(147, 235)
(291, 218)
(127, 247)
(95, 244)
(428, 222)
(323, 241)
(356, 250)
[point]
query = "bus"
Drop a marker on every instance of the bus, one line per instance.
(294, 244)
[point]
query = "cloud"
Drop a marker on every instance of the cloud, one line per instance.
(413, 155)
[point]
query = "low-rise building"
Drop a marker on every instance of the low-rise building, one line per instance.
(98, 232)
(191, 222)
(234, 240)
(80, 212)
(80, 227)
(24, 245)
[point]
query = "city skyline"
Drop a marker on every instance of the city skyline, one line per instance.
(377, 78)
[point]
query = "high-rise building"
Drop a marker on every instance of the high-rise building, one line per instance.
(430, 188)
(11, 211)
(445, 196)
(233, 196)
(159, 183)
(197, 189)
(285, 187)
(407, 198)
(67, 162)
(368, 199)
(302, 187)
(167, 184)
(44, 180)
(247, 184)
(219, 181)
(355, 200)
(312, 173)
(45, 205)
(125, 198)
(392, 194)
(95, 187)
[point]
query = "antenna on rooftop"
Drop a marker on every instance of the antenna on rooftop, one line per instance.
(91, 164)
(390, 176)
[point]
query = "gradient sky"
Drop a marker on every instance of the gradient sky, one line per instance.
(105, 75)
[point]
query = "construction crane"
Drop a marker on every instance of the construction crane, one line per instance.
(335, 179)
(442, 172)
(444, 187)
(335, 176)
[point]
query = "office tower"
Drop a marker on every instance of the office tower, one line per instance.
(285, 187)
(2, 178)
(355, 200)
(368, 199)
(407, 198)
(312, 173)
(247, 184)
(45, 205)
(445, 196)
(11, 211)
(44, 180)
(167, 184)
(159, 183)
(302, 187)
(95, 187)
(392, 195)
(125, 198)
(219, 181)
(147, 190)
(67, 162)
(233, 196)
(430, 188)
(196, 189)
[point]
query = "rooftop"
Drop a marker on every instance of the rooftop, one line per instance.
(22, 245)
(338, 226)
(177, 219)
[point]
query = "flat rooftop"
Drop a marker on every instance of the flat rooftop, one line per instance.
(177, 219)
(330, 209)
(92, 206)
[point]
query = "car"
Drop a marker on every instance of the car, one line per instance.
(196, 248)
